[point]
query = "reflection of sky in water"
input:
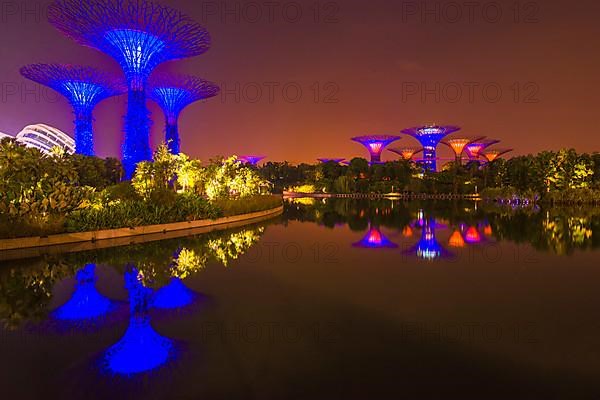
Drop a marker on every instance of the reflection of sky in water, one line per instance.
(86, 302)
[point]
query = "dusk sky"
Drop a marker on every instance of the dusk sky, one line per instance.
(361, 68)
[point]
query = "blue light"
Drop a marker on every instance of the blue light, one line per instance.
(428, 247)
(374, 239)
(141, 349)
(86, 302)
(174, 295)
(136, 144)
(137, 52)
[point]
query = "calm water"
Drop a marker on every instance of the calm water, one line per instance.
(334, 300)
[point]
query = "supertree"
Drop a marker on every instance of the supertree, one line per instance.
(430, 136)
(406, 153)
(375, 144)
(374, 239)
(459, 143)
(84, 87)
(474, 149)
(139, 35)
(251, 160)
(175, 92)
(493, 154)
(327, 160)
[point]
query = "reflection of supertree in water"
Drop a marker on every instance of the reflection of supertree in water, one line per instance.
(428, 248)
(175, 92)
(84, 87)
(176, 294)
(139, 35)
(430, 136)
(374, 239)
(375, 144)
(141, 349)
(86, 302)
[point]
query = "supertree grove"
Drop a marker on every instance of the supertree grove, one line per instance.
(139, 35)
(475, 149)
(430, 136)
(84, 88)
(173, 93)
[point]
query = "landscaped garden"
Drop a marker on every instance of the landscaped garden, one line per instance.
(43, 195)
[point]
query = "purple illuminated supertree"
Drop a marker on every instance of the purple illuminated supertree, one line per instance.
(430, 136)
(474, 149)
(328, 160)
(139, 35)
(175, 92)
(251, 160)
(84, 87)
(375, 144)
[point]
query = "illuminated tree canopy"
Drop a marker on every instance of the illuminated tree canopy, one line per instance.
(474, 149)
(84, 87)
(406, 153)
(175, 92)
(375, 144)
(430, 136)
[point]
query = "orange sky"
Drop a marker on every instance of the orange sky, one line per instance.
(353, 64)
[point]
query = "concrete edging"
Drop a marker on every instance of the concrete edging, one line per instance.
(93, 236)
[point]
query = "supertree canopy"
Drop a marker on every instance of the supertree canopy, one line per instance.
(474, 149)
(430, 136)
(252, 160)
(458, 144)
(375, 144)
(175, 92)
(84, 87)
(406, 153)
(493, 154)
(139, 35)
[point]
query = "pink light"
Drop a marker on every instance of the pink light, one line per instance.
(376, 147)
(472, 235)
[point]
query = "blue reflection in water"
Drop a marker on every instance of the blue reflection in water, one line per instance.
(86, 302)
(141, 349)
(428, 247)
(173, 295)
(374, 239)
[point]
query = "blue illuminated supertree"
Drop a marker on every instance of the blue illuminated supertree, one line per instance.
(139, 35)
(84, 87)
(430, 136)
(375, 144)
(428, 248)
(175, 92)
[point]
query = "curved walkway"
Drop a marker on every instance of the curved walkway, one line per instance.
(82, 241)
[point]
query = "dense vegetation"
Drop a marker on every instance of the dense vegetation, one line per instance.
(42, 195)
(557, 177)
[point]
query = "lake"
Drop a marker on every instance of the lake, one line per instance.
(336, 299)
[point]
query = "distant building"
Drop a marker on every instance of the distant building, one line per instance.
(44, 138)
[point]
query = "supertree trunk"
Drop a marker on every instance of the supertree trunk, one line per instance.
(172, 135)
(84, 133)
(136, 146)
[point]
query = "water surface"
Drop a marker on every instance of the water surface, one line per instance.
(335, 299)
